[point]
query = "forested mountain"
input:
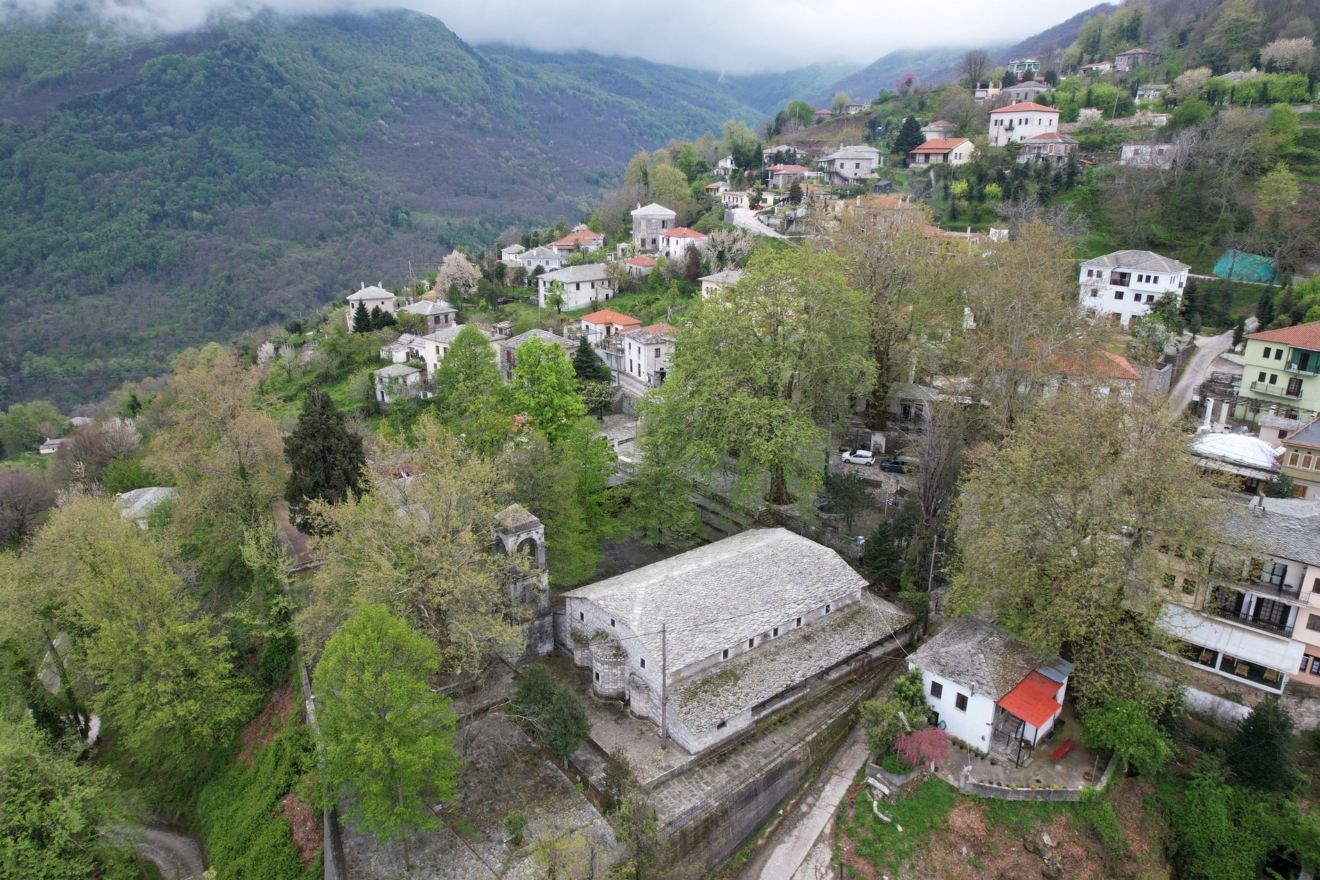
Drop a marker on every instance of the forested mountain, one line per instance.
(159, 192)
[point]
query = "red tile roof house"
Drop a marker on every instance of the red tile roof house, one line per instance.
(1018, 122)
(675, 242)
(949, 151)
(581, 238)
(640, 266)
(783, 176)
(606, 322)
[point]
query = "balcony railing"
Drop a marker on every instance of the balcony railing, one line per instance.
(1265, 588)
(1228, 613)
(1274, 390)
(1312, 369)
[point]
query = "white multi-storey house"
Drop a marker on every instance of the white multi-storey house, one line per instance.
(648, 223)
(1124, 284)
(848, 165)
(583, 285)
(1018, 122)
(370, 298)
(675, 242)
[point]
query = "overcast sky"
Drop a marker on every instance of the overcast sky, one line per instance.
(734, 36)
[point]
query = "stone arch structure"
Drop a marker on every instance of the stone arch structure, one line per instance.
(515, 529)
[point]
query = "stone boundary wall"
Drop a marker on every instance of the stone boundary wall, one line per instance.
(1054, 795)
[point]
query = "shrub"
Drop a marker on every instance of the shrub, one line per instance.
(515, 823)
(549, 711)
(929, 745)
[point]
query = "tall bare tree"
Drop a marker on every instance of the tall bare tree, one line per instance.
(974, 65)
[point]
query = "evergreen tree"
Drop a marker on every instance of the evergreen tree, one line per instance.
(909, 136)
(326, 460)
(374, 317)
(361, 319)
(880, 555)
(587, 366)
(1239, 331)
(1264, 308)
(380, 319)
(1261, 753)
(549, 711)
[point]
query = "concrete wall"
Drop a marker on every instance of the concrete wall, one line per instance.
(971, 726)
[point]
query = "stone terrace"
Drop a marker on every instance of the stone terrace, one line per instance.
(504, 771)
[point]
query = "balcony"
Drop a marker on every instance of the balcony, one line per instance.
(1267, 615)
(1308, 369)
(1279, 591)
(1274, 390)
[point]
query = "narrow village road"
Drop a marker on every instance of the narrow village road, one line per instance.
(178, 856)
(782, 858)
(1198, 368)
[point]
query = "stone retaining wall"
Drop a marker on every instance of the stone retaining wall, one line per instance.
(1054, 795)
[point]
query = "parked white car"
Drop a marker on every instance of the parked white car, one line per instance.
(859, 456)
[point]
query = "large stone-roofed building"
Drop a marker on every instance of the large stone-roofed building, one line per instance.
(734, 626)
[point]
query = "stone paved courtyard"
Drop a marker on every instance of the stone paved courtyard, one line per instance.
(504, 771)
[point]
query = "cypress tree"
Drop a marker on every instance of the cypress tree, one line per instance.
(587, 366)
(909, 136)
(374, 317)
(361, 320)
(1261, 754)
(380, 319)
(326, 460)
(880, 555)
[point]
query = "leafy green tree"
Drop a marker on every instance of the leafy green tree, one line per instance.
(23, 427)
(58, 814)
(802, 112)
(547, 481)
(847, 494)
(544, 390)
(767, 364)
(158, 669)
(636, 830)
(659, 511)
(909, 136)
(421, 547)
(1278, 189)
(1261, 752)
(909, 691)
(326, 460)
(361, 319)
(554, 298)
(1046, 543)
(387, 736)
(470, 395)
(879, 718)
(881, 558)
(588, 367)
(549, 711)
(841, 101)
(1122, 727)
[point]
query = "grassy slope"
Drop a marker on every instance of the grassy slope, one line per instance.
(156, 194)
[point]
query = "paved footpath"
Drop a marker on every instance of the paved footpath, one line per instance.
(787, 858)
(176, 855)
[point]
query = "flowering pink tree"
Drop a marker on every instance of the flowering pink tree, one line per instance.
(928, 745)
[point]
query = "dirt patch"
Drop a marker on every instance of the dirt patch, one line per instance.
(986, 840)
(306, 828)
(262, 729)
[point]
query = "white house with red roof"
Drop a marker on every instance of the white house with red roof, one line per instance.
(1018, 122)
(1124, 284)
(674, 243)
(1098, 67)
(949, 151)
(580, 239)
(1051, 148)
(607, 322)
(640, 266)
(940, 128)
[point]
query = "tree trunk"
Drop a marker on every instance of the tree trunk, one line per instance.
(403, 826)
(778, 493)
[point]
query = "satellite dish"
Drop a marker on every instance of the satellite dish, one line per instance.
(944, 725)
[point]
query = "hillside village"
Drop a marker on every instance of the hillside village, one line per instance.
(926, 485)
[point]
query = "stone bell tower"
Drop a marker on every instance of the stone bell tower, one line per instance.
(516, 530)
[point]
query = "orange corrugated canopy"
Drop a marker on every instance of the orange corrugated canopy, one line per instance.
(1032, 699)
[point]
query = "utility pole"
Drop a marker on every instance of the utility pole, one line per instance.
(664, 688)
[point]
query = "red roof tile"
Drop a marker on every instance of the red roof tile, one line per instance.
(1303, 336)
(644, 262)
(1025, 107)
(940, 145)
(682, 232)
(658, 328)
(1032, 700)
(608, 316)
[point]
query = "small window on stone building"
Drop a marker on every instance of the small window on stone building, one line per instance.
(725, 655)
(775, 632)
(721, 725)
(1317, 589)
(751, 643)
(960, 703)
(936, 689)
(582, 615)
(827, 609)
(597, 676)
(643, 662)
(611, 621)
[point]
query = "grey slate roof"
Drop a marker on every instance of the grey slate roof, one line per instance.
(394, 371)
(754, 677)
(517, 518)
(978, 655)
(516, 342)
(1144, 261)
(728, 276)
(571, 274)
(372, 292)
(427, 307)
(653, 210)
(1289, 537)
(1309, 435)
(539, 253)
(445, 335)
(718, 595)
